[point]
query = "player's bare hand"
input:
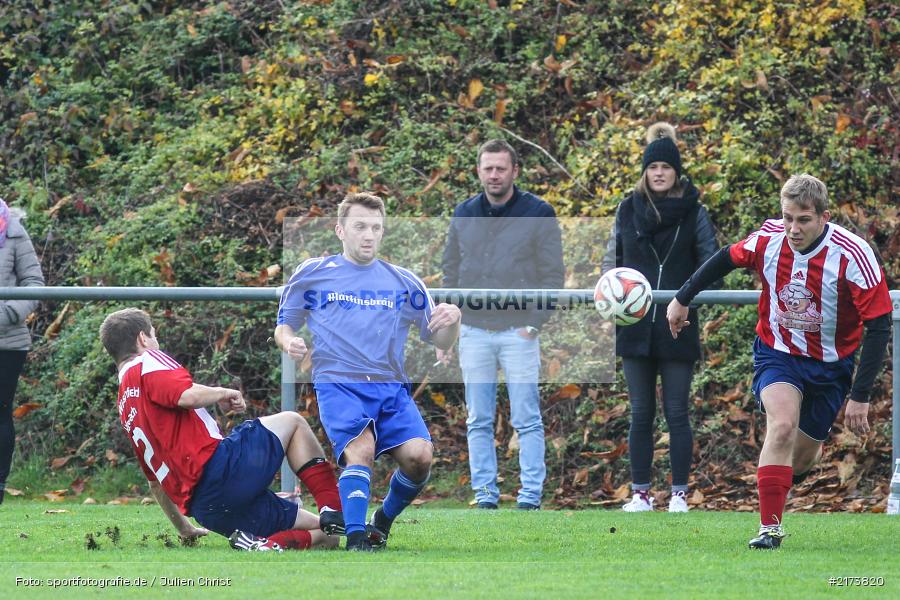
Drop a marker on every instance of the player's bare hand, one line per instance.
(297, 349)
(444, 356)
(676, 315)
(856, 417)
(443, 316)
(232, 401)
(190, 532)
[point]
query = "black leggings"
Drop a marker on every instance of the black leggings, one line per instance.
(640, 374)
(11, 363)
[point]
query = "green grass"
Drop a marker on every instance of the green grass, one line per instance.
(463, 553)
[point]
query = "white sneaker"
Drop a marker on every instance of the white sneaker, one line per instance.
(639, 504)
(678, 503)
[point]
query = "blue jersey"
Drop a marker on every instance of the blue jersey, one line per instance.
(359, 317)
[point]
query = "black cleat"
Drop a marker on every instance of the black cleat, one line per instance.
(378, 529)
(331, 521)
(527, 506)
(241, 540)
(769, 537)
(487, 505)
(358, 542)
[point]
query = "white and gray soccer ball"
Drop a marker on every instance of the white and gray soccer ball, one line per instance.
(624, 295)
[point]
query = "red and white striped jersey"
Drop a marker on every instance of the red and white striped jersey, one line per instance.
(814, 304)
(172, 444)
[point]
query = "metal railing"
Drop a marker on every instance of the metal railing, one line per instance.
(273, 294)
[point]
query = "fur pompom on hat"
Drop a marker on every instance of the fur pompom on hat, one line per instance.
(661, 147)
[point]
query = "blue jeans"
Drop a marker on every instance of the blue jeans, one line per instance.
(480, 353)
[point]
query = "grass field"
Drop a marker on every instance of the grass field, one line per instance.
(458, 553)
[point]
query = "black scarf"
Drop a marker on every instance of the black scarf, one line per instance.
(671, 210)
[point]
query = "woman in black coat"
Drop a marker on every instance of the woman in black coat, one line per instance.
(664, 232)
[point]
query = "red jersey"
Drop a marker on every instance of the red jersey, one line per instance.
(814, 304)
(172, 443)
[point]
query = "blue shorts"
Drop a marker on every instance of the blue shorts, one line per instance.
(234, 493)
(822, 385)
(346, 409)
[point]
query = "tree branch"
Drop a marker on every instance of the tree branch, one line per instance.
(550, 156)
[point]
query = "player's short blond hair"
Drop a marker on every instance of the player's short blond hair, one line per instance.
(366, 199)
(807, 192)
(120, 330)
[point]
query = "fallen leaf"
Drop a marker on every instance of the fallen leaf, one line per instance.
(846, 467)
(621, 492)
(166, 273)
(53, 328)
(59, 463)
(552, 64)
(500, 110)
(435, 177)
(55, 511)
(843, 121)
(475, 89)
(24, 409)
(457, 29)
(439, 399)
(55, 495)
(581, 477)
(14, 492)
(77, 486)
(560, 42)
(761, 82)
(89, 501)
(220, 343)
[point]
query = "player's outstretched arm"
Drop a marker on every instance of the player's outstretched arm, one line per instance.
(185, 528)
(444, 325)
(290, 342)
(203, 396)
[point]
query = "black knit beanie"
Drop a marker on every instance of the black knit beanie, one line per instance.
(662, 150)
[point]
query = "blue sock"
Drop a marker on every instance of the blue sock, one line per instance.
(353, 486)
(403, 490)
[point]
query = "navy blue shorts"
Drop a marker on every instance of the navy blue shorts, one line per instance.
(234, 493)
(346, 409)
(822, 385)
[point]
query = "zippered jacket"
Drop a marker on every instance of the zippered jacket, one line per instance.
(667, 257)
(18, 267)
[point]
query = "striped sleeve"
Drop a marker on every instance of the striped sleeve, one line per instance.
(163, 380)
(864, 274)
(743, 254)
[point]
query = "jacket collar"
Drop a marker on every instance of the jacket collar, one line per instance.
(501, 211)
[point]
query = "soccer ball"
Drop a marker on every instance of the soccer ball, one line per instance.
(623, 294)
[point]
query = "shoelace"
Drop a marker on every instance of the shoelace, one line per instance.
(772, 530)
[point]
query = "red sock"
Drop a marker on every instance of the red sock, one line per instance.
(774, 482)
(292, 539)
(320, 481)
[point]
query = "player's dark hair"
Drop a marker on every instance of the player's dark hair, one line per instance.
(494, 146)
(120, 330)
(807, 192)
(366, 199)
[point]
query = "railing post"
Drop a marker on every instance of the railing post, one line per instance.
(288, 403)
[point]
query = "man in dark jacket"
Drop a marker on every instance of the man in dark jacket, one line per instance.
(503, 238)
